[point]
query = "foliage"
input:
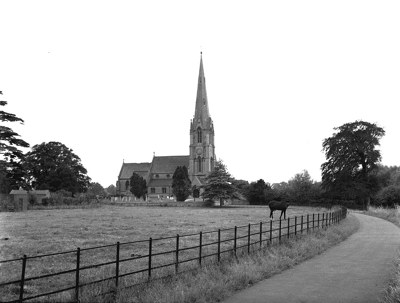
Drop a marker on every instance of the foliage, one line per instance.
(303, 190)
(389, 196)
(111, 190)
(281, 191)
(242, 186)
(54, 166)
(352, 157)
(181, 185)
(11, 172)
(95, 190)
(138, 186)
(259, 192)
(218, 184)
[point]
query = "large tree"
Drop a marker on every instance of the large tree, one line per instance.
(54, 166)
(257, 192)
(218, 184)
(181, 185)
(138, 186)
(11, 170)
(352, 157)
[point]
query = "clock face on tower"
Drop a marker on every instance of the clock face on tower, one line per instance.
(199, 151)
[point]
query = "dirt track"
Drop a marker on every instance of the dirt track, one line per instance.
(356, 270)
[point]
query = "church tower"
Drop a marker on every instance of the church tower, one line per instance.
(202, 148)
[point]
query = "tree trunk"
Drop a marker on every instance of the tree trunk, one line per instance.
(367, 202)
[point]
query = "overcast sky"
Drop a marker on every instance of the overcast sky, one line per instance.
(116, 80)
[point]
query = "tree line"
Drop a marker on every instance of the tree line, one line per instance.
(352, 173)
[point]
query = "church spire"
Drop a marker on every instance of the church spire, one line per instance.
(201, 111)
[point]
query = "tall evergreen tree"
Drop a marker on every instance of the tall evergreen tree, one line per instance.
(138, 186)
(218, 184)
(181, 185)
(11, 171)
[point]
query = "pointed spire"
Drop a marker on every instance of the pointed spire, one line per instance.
(201, 111)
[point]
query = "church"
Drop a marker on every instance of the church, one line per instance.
(200, 161)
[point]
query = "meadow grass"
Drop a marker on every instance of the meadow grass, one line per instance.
(392, 290)
(217, 281)
(47, 231)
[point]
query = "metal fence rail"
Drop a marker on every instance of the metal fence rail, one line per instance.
(153, 258)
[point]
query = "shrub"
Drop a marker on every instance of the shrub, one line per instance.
(45, 201)
(32, 200)
(388, 196)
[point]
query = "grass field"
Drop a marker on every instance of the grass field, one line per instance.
(48, 231)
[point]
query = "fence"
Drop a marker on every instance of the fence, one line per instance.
(151, 259)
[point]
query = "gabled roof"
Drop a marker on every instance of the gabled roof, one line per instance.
(128, 169)
(160, 183)
(33, 192)
(168, 164)
(18, 192)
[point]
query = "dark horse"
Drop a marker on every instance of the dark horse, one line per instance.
(278, 205)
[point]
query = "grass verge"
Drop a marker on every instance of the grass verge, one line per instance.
(216, 282)
(392, 290)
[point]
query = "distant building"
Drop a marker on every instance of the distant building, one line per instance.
(200, 161)
(20, 197)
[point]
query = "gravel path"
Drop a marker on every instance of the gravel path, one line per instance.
(355, 270)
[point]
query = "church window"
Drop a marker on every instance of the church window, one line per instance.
(152, 190)
(199, 165)
(164, 190)
(199, 135)
(126, 185)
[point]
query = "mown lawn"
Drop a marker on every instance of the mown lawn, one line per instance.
(39, 232)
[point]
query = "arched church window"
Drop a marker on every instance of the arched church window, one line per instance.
(199, 165)
(212, 163)
(199, 135)
(126, 185)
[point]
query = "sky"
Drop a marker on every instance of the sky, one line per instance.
(117, 80)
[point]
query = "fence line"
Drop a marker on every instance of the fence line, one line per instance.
(184, 250)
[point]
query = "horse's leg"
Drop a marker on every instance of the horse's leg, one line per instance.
(271, 214)
(284, 213)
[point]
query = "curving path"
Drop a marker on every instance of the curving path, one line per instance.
(356, 270)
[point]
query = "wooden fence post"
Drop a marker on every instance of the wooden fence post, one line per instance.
(248, 240)
(78, 260)
(117, 267)
(200, 246)
(301, 224)
(235, 241)
(260, 234)
(313, 220)
(177, 254)
(280, 229)
(318, 221)
(323, 219)
(150, 253)
(308, 222)
(219, 245)
(21, 287)
(288, 228)
(270, 232)
(295, 226)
